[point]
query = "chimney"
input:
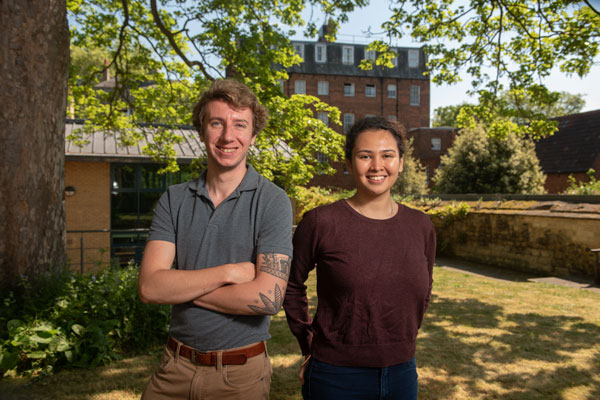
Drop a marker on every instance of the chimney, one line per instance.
(105, 71)
(326, 29)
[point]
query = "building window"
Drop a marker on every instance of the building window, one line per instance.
(322, 158)
(370, 90)
(415, 95)
(413, 58)
(299, 47)
(348, 122)
(427, 174)
(392, 118)
(323, 117)
(348, 54)
(436, 144)
(323, 88)
(391, 91)
(134, 191)
(348, 89)
(321, 53)
(395, 58)
(280, 81)
(370, 55)
(300, 87)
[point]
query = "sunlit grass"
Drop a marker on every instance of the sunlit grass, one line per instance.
(481, 339)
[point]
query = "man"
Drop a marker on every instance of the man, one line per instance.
(229, 236)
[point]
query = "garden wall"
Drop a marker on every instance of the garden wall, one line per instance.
(543, 238)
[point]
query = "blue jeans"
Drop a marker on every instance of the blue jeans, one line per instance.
(324, 381)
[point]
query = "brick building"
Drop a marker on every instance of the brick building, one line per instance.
(573, 150)
(330, 71)
(429, 144)
(110, 193)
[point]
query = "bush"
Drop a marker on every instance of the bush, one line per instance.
(413, 179)
(592, 187)
(312, 197)
(482, 163)
(72, 320)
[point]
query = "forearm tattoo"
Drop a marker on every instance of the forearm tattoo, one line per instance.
(270, 306)
(276, 264)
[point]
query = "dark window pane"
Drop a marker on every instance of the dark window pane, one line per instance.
(123, 177)
(148, 201)
(124, 213)
(151, 179)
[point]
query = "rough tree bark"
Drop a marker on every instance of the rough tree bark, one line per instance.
(34, 61)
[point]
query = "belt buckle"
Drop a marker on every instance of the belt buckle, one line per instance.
(193, 356)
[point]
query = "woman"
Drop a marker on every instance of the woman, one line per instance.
(374, 261)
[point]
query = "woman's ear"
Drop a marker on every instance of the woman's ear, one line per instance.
(349, 166)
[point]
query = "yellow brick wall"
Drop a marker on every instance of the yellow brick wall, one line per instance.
(541, 242)
(88, 209)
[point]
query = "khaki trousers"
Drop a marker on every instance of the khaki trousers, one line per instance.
(179, 378)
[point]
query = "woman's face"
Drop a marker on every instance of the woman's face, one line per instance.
(375, 162)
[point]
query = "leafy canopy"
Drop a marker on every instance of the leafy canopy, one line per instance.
(162, 54)
(508, 45)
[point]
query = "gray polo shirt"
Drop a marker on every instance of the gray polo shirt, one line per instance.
(255, 219)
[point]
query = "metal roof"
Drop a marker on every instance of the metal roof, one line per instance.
(106, 145)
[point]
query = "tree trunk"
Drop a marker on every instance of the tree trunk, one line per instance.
(34, 62)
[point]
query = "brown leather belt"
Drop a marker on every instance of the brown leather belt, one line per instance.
(231, 357)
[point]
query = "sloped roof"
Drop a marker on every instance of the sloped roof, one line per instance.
(575, 146)
(105, 145)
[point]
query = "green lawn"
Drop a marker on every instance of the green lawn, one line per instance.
(481, 339)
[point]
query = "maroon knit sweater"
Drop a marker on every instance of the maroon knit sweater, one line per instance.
(374, 282)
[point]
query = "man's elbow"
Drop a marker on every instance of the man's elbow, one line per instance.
(145, 294)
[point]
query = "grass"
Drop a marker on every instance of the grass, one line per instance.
(481, 339)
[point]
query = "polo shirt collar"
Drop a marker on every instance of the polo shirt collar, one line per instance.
(250, 182)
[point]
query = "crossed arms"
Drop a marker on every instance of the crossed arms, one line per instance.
(241, 288)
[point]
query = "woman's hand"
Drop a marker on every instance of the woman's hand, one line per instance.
(303, 368)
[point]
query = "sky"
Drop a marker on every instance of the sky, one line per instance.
(377, 12)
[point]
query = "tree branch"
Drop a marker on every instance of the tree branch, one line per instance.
(172, 42)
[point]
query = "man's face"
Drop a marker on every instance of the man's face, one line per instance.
(227, 135)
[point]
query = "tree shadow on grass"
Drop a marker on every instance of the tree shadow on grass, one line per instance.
(469, 342)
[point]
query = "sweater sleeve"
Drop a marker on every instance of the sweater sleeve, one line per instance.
(430, 245)
(296, 300)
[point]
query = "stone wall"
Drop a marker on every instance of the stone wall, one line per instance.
(542, 238)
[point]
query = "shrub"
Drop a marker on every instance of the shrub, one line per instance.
(309, 198)
(592, 187)
(72, 320)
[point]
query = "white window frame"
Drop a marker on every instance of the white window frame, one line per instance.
(370, 55)
(323, 117)
(392, 118)
(348, 55)
(348, 122)
(392, 91)
(436, 144)
(300, 87)
(322, 158)
(369, 92)
(413, 58)
(321, 56)
(415, 95)
(350, 92)
(299, 47)
(323, 88)
(395, 58)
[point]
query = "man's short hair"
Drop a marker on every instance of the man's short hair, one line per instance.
(238, 96)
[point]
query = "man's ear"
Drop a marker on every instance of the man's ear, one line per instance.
(401, 167)
(252, 140)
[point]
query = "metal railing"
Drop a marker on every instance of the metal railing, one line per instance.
(122, 246)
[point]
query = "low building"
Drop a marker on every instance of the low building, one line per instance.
(571, 151)
(110, 193)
